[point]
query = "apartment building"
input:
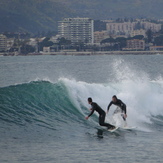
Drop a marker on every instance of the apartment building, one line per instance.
(100, 35)
(156, 48)
(3, 43)
(77, 30)
(120, 28)
(128, 27)
(135, 44)
(153, 26)
(138, 32)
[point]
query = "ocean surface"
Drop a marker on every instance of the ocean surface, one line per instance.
(43, 105)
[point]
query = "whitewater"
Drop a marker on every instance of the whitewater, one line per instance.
(43, 105)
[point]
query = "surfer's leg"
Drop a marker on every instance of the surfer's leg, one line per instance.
(123, 117)
(124, 112)
(102, 122)
(125, 122)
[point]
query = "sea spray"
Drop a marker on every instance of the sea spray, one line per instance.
(143, 98)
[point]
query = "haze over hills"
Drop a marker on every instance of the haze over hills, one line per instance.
(42, 15)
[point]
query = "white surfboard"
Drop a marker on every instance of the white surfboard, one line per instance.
(113, 130)
(128, 128)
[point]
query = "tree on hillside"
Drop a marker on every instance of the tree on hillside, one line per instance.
(25, 49)
(121, 42)
(161, 31)
(138, 26)
(159, 40)
(108, 40)
(119, 20)
(45, 43)
(117, 44)
(63, 41)
(140, 37)
(149, 34)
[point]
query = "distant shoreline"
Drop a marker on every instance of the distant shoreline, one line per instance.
(110, 53)
(89, 53)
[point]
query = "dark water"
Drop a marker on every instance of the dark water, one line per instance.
(43, 104)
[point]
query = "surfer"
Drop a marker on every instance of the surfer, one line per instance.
(102, 114)
(120, 104)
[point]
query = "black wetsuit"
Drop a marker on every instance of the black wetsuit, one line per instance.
(102, 114)
(120, 104)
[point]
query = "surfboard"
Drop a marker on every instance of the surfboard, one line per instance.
(128, 128)
(113, 130)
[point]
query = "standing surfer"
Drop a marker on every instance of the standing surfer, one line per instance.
(102, 114)
(120, 104)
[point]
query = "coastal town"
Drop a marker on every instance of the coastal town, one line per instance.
(85, 36)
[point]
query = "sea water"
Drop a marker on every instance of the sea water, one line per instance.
(43, 105)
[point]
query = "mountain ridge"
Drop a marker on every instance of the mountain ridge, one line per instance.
(43, 15)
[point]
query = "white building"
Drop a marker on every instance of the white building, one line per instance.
(128, 27)
(77, 30)
(10, 43)
(3, 42)
(46, 49)
(120, 28)
(54, 39)
(138, 32)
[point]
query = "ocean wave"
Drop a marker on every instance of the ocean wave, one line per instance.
(52, 105)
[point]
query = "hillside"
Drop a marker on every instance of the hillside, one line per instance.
(117, 8)
(42, 15)
(31, 15)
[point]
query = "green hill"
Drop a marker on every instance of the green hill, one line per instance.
(31, 15)
(42, 15)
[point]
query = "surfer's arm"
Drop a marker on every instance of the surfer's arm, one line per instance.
(90, 113)
(124, 110)
(123, 107)
(109, 106)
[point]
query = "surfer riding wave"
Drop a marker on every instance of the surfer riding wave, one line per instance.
(120, 104)
(102, 114)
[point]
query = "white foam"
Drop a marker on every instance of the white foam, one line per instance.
(143, 98)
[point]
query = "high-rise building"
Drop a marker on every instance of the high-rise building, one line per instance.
(3, 42)
(77, 30)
